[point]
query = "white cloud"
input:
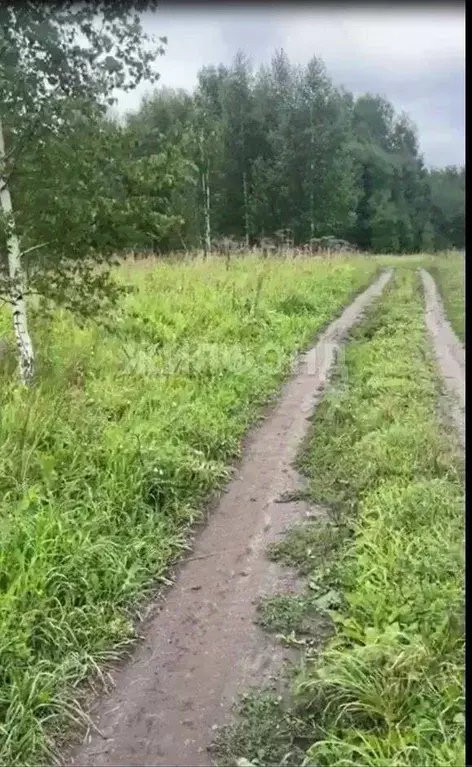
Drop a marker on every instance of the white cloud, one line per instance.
(401, 40)
(192, 44)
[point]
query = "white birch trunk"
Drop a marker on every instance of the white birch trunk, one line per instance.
(17, 277)
(207, 213)
(206, 199)
(205, 246)
(312, 183)
(246, 210)
(312, 203)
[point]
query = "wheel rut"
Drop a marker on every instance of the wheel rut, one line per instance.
(449, 351)
(202, 647)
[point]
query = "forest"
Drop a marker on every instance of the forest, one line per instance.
(282, 153)
(251, 157)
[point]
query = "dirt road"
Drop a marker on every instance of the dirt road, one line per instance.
(203, 647)
(449, 352)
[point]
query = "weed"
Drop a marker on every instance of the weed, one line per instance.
(307, 546)
(266, 730)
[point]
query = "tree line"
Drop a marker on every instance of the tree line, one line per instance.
(277, 155)
(281, 153)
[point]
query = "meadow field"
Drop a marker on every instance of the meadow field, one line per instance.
(109, 460)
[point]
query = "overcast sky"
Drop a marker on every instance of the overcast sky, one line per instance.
(413, 56)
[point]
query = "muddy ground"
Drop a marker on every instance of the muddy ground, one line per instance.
(450, 354)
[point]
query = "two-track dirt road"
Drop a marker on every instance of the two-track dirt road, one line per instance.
(450, 353)
(202, 646)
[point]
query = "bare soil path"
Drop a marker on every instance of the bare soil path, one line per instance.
(202, 647)
(449, 351)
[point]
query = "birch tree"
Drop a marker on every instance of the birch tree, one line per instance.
(15, 273)
(238, 129)
(207, 130)
(205, 178)
(59, 63)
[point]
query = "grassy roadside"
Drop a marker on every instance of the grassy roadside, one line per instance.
(385, 570)
(108, 461)
(449, 273)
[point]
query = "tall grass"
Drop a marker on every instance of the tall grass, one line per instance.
(449, 273)
(389, 687)
(108, 460)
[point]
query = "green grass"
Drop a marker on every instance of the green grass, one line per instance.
(449, 273)
(109, 459)
(386, 566)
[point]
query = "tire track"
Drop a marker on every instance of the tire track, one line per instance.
(449, 351)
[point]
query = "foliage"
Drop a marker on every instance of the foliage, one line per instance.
(286, 150)
(448, 205)
(266, 152)
(73, 187)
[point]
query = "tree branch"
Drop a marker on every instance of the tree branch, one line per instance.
(34, 247)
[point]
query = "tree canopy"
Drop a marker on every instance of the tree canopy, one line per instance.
(250, 157)
(282, 150)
